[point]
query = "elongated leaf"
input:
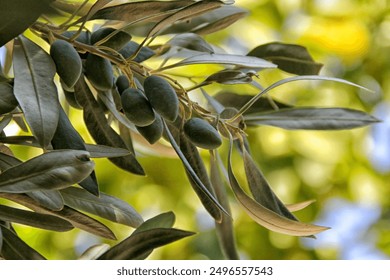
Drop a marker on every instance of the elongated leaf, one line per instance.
(35, 90)
(197, 175)
(265, 217)
(254, 99)
(67, 137)
(299, 206)
(230, 59)
(94, 252)
(186, 12)
(102, 151)
(313, 118)
(224, 229)
(37, 220)
(15, 248)
(131, 47)
(53, 170)
(76, 218)
(191, 41)
(231, 77)
(50, 199)
(163, 220)
(100, 130)
(104, 206)
(18, 15)
(135, 11)
(1, 240)
(234, 100)
(208, 22)
(137, 244)
(8, 101)
(294, 59)
(261, 190)
(220, 24)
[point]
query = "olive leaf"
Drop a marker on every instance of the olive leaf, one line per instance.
(101, 131)
(163, 220)
(299, 206)
(35, 90)
(141, 10)
(14, 248)
(186, 13)
(224, 229)
(264, 216)
(291, 58)
(196, 174)
(94, 252)
(234, 100)
(67, 137)
(50, 199)
(37, 220)
(190, 41)
(104, 206)
(255, 98)
(8, 101)
(50, 171)
(208, 22)
(131, 47)
(102, 151)
(311, 118)
(76, 218)
(230, 59)
(231, 77)
(18, 16)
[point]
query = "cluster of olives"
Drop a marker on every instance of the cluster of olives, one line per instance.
(146, 108)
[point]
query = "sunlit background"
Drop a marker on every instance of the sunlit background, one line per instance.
(346, 172)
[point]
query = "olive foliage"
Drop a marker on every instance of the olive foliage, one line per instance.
(100, 51)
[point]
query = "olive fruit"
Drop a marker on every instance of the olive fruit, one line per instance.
(202, 134)
(8, 101)
(67, 61)
(162, 96)
(122, 83)
(153, 132)
(136, 107)
(116, 42)
(99, 72)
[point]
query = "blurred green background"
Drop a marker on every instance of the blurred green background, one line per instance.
(346, 172)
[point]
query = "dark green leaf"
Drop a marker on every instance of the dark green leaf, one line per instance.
(8, 101)
(18, 15)
(50, 199)
(76, 218)
(224, 229)
(261, 190)
(35, 90)
(141, 11)
(208, 22)
(265, 217)
(37, 220)
(52, 170)
(104, 206)
(15, 248)
(196, 173)
(101, 151)
(67, 137)
(279, 83)
(101, 131)
(294, 59)
(7, 161)
(229, 59)
(191, 41)
(163, 220)
(143, 242)
(234, 100)
(142, 55)
(231, 77)
(312, 118)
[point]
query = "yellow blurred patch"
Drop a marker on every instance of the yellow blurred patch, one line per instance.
(347, 38)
